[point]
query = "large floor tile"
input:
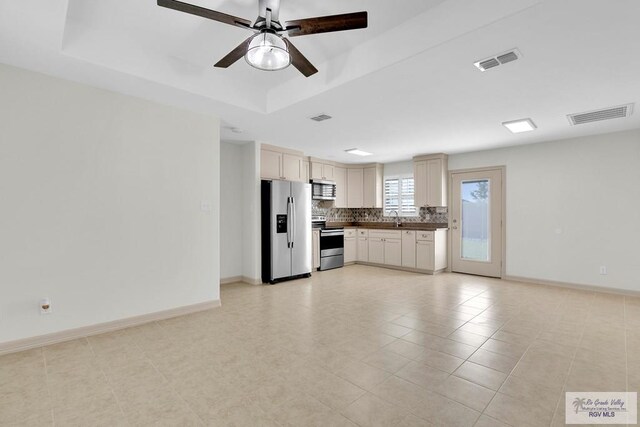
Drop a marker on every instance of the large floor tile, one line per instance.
(353, 346)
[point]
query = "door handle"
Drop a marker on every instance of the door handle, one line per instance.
(289, 219)
(293, 222)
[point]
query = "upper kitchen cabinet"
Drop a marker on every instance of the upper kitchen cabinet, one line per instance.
(320, 170)
(340, 177)
(364, 186)
(372, 197)
(355, 188)
(430, 180)
(281, 163)
(306, 171)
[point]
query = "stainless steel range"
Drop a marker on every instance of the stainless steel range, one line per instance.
(331, 244)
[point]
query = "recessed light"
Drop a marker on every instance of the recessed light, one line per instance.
(519, 126)
(357, 152)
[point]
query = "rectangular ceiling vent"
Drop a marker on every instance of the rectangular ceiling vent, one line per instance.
(496, 61)
(599, 115)
(321, 117)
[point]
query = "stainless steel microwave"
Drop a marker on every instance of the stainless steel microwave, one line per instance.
(323, 190)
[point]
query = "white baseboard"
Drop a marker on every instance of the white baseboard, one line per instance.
(577, 286)
(100, 328)
(240, 279)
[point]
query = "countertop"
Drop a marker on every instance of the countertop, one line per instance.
(426, 226)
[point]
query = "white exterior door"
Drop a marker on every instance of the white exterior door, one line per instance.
(476, 222)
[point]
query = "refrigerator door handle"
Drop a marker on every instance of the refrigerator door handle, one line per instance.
(293, 223)
(289, 221)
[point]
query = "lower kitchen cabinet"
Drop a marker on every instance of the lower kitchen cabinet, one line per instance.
(350, 245)
(376, 250)
(431, 250)
(409, 248)
(393, 252)
(424, 255)
(424, 251)
(363, 245)
(385, 247)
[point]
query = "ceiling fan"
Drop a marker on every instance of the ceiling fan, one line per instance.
(267, 49)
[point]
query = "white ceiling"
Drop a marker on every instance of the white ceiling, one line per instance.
(404, 86)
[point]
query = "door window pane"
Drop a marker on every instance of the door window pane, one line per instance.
(475, 224)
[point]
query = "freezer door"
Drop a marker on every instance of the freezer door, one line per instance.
(281, 229)
(301, 250)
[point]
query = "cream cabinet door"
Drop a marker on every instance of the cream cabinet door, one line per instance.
(393, 252)
(354, 188)
(424, 255)
(316, 170)
(435, 184)
(376, 250)
(350, 249)
(420, 183)
(409, 249)
(315, 248)
(340, 177)
(328, 172)
(306, 168)
(270, 164)
(292, 167)
(370, 188)
(363, 249)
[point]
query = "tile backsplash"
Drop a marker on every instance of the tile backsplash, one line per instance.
(426, 215)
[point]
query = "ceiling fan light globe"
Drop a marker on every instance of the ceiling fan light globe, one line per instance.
(268, 52)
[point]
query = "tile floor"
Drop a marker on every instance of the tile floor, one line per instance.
(356, 346)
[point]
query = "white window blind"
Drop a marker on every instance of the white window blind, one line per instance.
(398, 196)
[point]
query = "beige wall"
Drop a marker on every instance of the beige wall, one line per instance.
(231, 209)
(572, 206)
(101, 199)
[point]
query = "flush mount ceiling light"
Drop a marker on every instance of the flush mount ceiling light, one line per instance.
(267, 51)
(519, 126)
(358, 152)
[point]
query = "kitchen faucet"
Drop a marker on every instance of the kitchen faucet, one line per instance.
(398, 223)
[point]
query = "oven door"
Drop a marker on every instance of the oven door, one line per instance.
(331, 242)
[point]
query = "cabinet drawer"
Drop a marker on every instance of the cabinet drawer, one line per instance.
(386, 234)
(363, 233)
(424, 235)
(349, 232)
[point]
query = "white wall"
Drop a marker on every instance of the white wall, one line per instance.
(398, 168)
(232, 166)
(572, 206)
(100, 205)
(251, 263)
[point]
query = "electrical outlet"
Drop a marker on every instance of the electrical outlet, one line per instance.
(603, 270)
(45, 306)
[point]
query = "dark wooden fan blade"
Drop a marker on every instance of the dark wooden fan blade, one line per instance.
(299, 61)
(205, 13)
(326, 24)
(234, 55)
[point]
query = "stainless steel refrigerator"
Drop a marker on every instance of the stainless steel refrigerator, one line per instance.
(286, 230)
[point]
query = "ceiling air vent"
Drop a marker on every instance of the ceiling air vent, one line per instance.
(501, 59)
(321, 118)
(598, 115)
